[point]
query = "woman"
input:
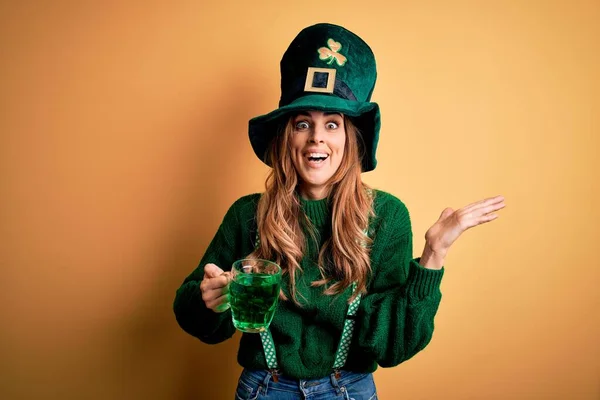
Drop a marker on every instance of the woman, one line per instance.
(352, 295)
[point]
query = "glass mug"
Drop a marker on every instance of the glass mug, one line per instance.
(253, 294)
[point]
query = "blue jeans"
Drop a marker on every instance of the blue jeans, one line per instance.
(259, 385)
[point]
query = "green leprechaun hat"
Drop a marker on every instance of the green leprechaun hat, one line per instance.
(325, 68)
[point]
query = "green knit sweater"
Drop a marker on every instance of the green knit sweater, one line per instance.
(394, 320)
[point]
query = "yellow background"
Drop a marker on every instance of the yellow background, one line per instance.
(124, 141)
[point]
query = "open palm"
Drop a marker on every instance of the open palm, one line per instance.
(452, 224)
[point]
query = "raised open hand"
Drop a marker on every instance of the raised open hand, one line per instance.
(452, 224)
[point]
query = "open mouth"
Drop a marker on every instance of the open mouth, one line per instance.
(316, 158)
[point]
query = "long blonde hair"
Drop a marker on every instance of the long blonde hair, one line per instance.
(344, 257)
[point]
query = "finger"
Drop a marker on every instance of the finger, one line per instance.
(446, 213)
(486, 218)
(219, 304)
(216, 299)
(483, 203)
(214, 283)
(212, 271)
(223, 307)
(210, 295)
(487, 209)
(496, 207)
(475, 217)
(227, 274)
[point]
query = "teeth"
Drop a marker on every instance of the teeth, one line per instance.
(317, 155)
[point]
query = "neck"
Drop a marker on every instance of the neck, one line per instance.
(313, 193)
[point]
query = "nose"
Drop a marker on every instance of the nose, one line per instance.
(317, 134)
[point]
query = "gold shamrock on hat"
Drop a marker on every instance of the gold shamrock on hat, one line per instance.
(331, 53)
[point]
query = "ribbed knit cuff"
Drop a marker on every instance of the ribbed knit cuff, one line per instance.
(423, 282)
(193, 315)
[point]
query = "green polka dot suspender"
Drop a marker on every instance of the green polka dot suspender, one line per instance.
(269, 349)
(343, 347)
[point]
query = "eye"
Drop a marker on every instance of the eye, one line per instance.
(332, 125)
(301, 125)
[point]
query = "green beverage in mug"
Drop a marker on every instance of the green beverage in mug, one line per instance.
(253, 294)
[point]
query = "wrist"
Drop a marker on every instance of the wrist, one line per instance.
(432, 258)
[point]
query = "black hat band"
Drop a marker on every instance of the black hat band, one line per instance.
(318, 80)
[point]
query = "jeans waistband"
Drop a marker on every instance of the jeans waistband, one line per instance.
(264, 379)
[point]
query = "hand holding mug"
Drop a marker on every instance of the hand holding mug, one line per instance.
(215, 288)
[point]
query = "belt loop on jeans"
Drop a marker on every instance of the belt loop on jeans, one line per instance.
(264, 385)
(335, 383)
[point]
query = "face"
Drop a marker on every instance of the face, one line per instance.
(317, 149)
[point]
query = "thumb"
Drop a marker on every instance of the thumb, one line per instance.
(446, 213)
(212, 271)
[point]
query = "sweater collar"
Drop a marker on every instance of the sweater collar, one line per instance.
(316, 210)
